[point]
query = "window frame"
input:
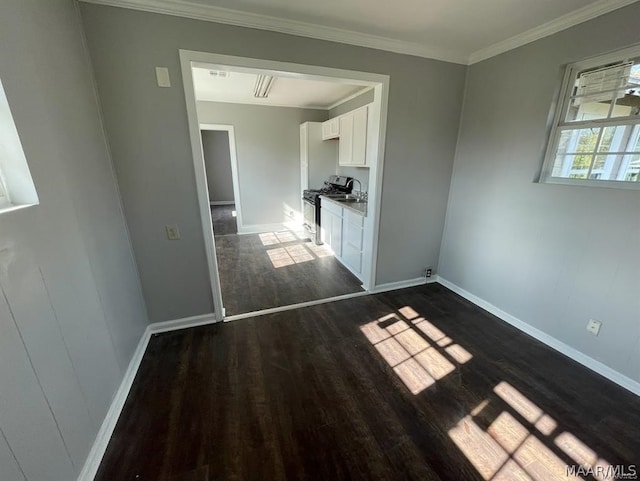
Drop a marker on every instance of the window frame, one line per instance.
(559, 123)
(5, 200)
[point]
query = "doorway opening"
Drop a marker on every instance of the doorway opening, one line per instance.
(274, 139)
(219, 155)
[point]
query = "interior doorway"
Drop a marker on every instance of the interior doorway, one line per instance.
(283, 246)
(219, 155)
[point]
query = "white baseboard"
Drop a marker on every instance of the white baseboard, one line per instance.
(299, 305)
(550, 341)
(101, 442)
(392, 286)
(184, 323)
(260, 228)
(221, 202)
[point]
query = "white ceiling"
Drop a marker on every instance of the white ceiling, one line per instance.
(462, 31)
(238, 87)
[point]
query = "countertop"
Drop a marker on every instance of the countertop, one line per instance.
(359, 208)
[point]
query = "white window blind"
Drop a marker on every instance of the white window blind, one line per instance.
(603, 84)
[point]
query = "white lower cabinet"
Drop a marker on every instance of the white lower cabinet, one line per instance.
(352, 241)
(331, 226)
(342, 231)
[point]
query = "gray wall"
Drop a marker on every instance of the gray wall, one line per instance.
(554, 256)
(354, 103)
(217, 162)
(148, 135)
(268, 150)
(71, 309)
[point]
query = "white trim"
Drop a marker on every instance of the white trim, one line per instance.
(556, 25)
(181, 8)
(202, 189)
(184, 323)
(4, 208)
(299, 305)
(257, 103)
(259, 228)
(377, 116)
(221, 202)
(227, 16)
(378, 119)
(103, 437)
(547, 339)
(392, 286)
(350, 97)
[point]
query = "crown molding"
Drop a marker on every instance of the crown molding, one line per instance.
(182, 8)
(227, 16)
(556, 25)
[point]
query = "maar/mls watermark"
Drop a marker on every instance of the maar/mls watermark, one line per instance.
(618, 471)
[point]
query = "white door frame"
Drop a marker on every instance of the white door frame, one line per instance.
(380, 84)
(233, 156)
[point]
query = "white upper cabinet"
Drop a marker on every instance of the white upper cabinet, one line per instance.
(352, 149)
(331, 129)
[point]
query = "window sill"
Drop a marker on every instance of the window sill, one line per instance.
(4, 208)
(611, 184)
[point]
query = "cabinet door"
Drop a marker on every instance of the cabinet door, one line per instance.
(345, 145)
(331, 129)
(336, 235)
(325, 226)
(359, 153)
(352, 257)
(304, 158)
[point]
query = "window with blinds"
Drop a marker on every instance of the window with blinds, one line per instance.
(595, 139)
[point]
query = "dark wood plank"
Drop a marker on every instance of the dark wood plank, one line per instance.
(416, 384)
(223, 219)
(261, 271)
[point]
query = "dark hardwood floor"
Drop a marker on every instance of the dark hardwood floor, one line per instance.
(261, 271)
(413, 384)
(224, 220)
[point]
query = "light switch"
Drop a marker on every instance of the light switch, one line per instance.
(162, 75)
(172, 232)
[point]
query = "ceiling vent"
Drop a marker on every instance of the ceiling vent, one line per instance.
(263, 86)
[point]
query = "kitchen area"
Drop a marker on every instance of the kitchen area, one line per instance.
(334, 157)
(302, 162)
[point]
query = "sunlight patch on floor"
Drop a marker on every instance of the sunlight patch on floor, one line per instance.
(293, 254)
(413, 348)
(281, 237)
(290, 255)
(519, 441)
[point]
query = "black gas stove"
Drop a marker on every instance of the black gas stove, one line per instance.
(337, 184)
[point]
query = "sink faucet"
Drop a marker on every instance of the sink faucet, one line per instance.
(351, 182)
(359, 194)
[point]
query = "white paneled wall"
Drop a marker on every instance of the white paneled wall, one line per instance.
(71, 307)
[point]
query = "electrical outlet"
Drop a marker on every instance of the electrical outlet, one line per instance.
(593, 326)
(173, 233)
(427, 272)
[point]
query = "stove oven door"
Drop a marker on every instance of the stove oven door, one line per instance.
(310, 220)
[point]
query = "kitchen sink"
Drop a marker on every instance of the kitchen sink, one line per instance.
(347, 198)
(350, 200)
